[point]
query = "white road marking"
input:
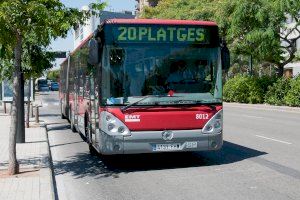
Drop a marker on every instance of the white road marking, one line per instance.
(284, 142)
(56, 104)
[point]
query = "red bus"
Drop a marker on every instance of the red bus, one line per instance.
(146, 86)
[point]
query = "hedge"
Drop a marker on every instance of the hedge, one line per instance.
(292, 97)
(271, 90)
(243, 89)
(277, 92)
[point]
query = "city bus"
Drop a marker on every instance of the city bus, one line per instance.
(147, 86)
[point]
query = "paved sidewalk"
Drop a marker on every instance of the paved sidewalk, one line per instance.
(35, 179)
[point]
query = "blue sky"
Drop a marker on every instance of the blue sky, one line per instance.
(113, 5)
(116, 5)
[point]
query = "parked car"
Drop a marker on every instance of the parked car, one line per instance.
(54, 86)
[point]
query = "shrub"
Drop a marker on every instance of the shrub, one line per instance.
(235, 89)
(292, 97)
(266, 81)
(256, 93)
(276, 93)
(243, 89)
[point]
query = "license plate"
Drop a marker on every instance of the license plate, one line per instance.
(191, 145)
(167, 147)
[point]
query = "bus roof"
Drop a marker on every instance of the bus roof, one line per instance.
(160, 22)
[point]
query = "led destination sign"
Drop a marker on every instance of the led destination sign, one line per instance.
(159, 34)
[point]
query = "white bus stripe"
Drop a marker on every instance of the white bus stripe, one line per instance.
(284, 142)
(132, 120)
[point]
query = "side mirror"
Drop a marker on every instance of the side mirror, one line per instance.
(93, 57)
(225, 56)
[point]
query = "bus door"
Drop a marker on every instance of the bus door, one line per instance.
(80, 101)
(76, 82)
(93, 110)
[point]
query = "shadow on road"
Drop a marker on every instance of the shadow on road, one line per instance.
(84, 164)
(58, 126)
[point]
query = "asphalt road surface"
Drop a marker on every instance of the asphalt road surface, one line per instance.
(260, 159)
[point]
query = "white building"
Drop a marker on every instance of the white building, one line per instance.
(83, 31)
(293, 68)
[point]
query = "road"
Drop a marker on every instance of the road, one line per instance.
(260, 159)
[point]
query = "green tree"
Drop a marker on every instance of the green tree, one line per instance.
(181, 9)
(36, 61)
(251, 27)
(259, 28)
(33, 22)
(53, 75)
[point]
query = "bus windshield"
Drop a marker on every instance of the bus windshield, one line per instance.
(168, 75)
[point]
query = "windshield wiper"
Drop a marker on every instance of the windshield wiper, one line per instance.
(135, 103)
(178, 102)
(194, 102)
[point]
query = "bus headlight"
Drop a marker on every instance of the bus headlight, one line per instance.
(121, 129)
(215, 124)
(112, 125)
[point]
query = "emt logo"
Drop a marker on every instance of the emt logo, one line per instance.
(132, 118)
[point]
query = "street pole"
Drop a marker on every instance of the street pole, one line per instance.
(37, 114)
(28, 103)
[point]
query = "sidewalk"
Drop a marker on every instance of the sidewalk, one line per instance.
(35, 179)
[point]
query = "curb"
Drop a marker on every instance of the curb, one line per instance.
(264, 107)
(54, 195)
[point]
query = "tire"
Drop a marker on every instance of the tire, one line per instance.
(86, 129)
(92, 150)
(73, 129)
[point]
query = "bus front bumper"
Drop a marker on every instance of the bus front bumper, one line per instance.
(154, 142)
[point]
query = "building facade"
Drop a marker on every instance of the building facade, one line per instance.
(81, 32)
(293, 69)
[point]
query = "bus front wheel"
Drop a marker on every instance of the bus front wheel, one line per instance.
(92, 150)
